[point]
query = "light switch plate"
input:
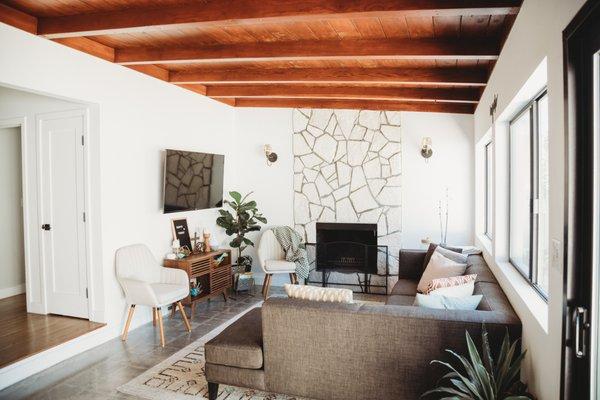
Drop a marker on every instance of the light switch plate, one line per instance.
(556, 254)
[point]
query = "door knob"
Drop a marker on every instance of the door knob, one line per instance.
(46, 227)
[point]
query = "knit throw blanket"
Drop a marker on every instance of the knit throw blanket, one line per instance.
(295, 251)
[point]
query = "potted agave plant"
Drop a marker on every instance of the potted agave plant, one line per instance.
(243, 218)
(479, 377)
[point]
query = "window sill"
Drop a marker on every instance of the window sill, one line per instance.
(485, 242)
(521, 294)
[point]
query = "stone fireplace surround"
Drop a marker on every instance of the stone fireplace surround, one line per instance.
(347, 168)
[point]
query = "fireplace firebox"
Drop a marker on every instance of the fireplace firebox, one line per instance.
(346, 248)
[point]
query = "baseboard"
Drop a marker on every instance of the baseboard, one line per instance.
(12, 291)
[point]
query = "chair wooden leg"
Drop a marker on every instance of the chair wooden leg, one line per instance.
(213, 391)
(153, 316)
(292, 278)
(185, 320)
(173, 307)
(296, 281)
(267, 286)
(160, 326)
(129, 317)
(264, 285)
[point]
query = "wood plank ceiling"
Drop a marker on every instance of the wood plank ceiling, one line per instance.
(416, 55)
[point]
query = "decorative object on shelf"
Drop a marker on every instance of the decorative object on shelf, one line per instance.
(271, 156)
(443, 215)
(206, 235)
(184, 251)
(497, 380)
(245, 219)
(171, 256)
(214, 243)
(175, 246)
(196, 244)
(220, 259)
(181, 232)
(195, 289)
(426, 150)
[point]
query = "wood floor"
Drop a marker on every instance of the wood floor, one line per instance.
(23, 334)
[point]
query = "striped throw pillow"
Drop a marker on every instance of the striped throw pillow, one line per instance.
(449, 282)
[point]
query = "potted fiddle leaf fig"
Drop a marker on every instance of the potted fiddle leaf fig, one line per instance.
(243, 218)
(479, 377)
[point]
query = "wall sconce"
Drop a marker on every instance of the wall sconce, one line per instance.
(271, 156)
(426, 150)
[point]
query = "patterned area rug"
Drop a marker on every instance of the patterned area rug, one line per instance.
(181, 376)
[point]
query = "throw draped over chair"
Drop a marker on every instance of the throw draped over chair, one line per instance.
(271, 257)
(146, 283)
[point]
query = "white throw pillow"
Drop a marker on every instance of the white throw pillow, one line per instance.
(439, 267)
(331, 295)
(447, 303)
(464, 290)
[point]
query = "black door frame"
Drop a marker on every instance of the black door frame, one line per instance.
(581, 39)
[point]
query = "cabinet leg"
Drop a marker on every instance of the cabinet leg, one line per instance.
(225, 295)
(213, 391)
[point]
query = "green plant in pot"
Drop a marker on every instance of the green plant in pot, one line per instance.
(480, 377)
(243, 218)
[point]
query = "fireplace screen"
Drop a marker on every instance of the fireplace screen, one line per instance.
(347, 247)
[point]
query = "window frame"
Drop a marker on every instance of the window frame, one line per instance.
(532, 108)
(488, 178)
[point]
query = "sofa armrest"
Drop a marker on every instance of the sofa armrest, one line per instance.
(410, 264)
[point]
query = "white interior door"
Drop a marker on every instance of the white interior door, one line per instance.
(62, 208)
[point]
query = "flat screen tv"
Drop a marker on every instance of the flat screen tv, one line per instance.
(193, 181)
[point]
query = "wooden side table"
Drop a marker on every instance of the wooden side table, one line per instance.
(215, 279)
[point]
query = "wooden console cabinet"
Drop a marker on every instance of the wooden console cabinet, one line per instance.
(214, 279)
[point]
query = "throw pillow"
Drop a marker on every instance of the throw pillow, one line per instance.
(447, 303)
(464, 290)
(448, 282)
(439, 267)
(331, 295)
(431, 249)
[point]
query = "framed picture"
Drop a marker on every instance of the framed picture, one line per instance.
(181, 232)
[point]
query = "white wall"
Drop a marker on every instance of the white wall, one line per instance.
(134, 117)
(536, 34)
(423, 184)
(272, 185)
(12, 259)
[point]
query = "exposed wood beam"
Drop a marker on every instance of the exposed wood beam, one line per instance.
(200, 89)
(439, 76)
(364, 49)
(229, 102)
(89, 46)
(18, 19)
(223, 12)
(152, 70)
(469, 95)
(358, 105)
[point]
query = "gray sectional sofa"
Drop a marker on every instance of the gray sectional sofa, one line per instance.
(353, 351)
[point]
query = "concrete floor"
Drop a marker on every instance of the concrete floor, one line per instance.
(96, 373)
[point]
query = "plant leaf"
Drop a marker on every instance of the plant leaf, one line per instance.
(236, 196)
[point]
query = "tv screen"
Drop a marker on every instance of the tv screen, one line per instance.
(193, 181)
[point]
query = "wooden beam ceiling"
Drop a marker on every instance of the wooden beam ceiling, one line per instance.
(224, 12)
(357, 105)
(407, 55)
(436, 76)
(467, 95)
(363, 49)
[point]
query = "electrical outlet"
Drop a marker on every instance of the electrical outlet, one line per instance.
(556, 252)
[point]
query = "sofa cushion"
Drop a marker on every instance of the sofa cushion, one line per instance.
(431, 249)
(494, 298)
(240, 344)
(410, 264)
(405, 287)
(439, 267)
(400, 300)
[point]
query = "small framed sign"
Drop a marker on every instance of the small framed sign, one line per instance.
(181, 232)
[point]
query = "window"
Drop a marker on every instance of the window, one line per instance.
(488, 203)
(528, 216)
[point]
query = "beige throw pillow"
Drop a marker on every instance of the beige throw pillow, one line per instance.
(439, 267)
(331, 295)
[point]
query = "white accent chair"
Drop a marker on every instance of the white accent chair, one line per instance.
(271, 257)
(146, 283)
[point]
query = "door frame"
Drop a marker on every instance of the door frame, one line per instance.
(579, 250)
(39, 119)
(21, 124)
